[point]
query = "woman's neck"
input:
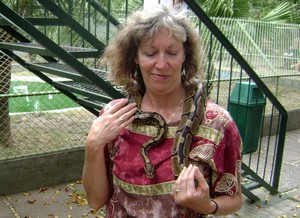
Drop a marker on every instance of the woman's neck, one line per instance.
(169, 106)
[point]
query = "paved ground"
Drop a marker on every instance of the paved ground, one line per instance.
(67, 200)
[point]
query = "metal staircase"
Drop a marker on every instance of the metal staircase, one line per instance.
(88, 87)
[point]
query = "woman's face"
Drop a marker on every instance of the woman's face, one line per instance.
(160, 60)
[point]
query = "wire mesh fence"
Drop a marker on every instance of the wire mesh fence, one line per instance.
(272, 50)
(36, 118)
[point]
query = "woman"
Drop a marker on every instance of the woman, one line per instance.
(156, 59)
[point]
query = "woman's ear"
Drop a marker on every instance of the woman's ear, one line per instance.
(136, 60)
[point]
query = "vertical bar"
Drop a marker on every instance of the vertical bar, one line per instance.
(108, 22)
(279, 155)
(70, 12)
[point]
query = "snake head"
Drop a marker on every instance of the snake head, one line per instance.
(149, 169)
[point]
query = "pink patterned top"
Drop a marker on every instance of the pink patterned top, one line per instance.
(216, 150)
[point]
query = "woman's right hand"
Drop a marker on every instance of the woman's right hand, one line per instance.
(111, 122)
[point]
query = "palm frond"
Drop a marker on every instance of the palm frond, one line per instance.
(280, 14)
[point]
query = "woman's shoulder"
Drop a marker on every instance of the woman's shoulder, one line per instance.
(216, 115)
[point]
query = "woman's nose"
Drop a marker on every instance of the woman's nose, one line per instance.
(162, 61)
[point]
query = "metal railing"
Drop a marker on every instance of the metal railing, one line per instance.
(262, 166)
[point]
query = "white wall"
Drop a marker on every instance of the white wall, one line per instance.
(152, 3)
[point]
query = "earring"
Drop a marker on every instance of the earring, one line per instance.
(183, 73)
(139, 79)
(136, 72)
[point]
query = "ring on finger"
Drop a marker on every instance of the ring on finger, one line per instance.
(177, 190)
(121, 119)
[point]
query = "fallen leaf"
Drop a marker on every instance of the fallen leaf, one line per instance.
(31, 201)
(93, 211)
(54, 199)
(79, 199)
(267, 198)
(26, 194)
(53, 216)
(43, 190)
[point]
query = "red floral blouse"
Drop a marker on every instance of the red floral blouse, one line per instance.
(216, 150)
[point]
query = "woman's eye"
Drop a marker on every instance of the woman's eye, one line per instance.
(150, 54)
(173, 53)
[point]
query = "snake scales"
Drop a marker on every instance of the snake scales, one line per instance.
(193, 110)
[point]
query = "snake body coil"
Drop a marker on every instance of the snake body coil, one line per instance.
(193, 110)
(192, 115)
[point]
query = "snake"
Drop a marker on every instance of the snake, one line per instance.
(192, 115)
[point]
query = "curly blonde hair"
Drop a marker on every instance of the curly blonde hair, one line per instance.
(143, 25)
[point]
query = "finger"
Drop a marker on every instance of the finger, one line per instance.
(191, 179)
(182, 179)
(125, 121)
(126, 115)
(120, 111)
(113, 108)
(126, 112)
(177, 184)
(200, 178)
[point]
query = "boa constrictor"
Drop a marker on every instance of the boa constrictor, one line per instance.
(193, 110)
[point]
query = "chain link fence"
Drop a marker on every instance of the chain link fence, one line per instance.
(35, 118)
(271, 49)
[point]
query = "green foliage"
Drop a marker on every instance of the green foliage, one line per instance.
(226, 8)
(283, 13)
(275, 10)
(265, 10)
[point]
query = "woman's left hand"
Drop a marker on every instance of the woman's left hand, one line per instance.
(186, 193)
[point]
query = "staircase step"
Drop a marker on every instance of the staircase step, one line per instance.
(84, 89)
(58, 69)
(36, 22)
(34, 48)
(45, 21)
(90, 102)
(63, 70)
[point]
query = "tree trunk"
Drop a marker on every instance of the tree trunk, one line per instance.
(5, 78)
